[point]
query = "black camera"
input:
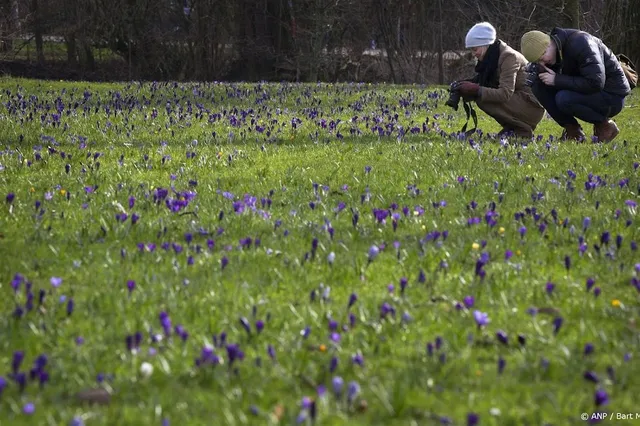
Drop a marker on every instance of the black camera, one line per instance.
(532, 70)
(454, 95)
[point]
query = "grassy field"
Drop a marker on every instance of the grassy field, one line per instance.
(208, 254)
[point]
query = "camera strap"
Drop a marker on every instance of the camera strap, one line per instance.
(471, 113)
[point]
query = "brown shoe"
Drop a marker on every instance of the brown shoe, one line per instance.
(523, 133)
(573, 131)
(605, 131)
(518, 133)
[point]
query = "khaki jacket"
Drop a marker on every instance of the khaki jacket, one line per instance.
(511, 99)
(510, 77)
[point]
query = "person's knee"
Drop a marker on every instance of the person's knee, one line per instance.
(617, 105)
(564, 101)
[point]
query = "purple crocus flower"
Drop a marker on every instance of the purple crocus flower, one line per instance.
(17, 280)
(322, 391)
(481, 318)
(358, 359)
(588, 349)
(386, 309)
(43, 377)
(76, 421)
(501, 364)
(271, 352)
(472, 419)
(601, 398)
(333, 364)
(373, 253)
(403, 284)
(131, 285)
(352, 391)
(165, 322)
(18, 357)
(305, 403)
(468, 301)
(550, 287)
(10, 197)
(353, 298)
(337, 384)
(55, 282)
(29, 408)
(591, 376)
(438, 342)
(502, 337)
(522, 231)
(259, 326)
(557, 323)
(21, 380)
(305, 332)
(590, 283)
(234, 353)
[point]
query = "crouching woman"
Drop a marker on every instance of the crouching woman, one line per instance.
(499, 86)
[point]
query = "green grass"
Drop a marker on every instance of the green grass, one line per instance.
(75, 236)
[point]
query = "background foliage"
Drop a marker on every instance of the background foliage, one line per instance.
(399, 41)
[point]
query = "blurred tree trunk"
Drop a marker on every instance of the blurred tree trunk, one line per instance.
(70, 42)
(37, 30)
(440, 46)
(621, 28)
(572, 13)
(12, 27)
(387, 34)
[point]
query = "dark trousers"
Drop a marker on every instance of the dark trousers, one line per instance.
(564, 106)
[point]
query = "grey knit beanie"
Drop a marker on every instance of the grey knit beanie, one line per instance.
(482, 34)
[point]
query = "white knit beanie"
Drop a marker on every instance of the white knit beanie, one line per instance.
(482, 34)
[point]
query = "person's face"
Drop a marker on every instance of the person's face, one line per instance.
(479, 52)
(549, 56)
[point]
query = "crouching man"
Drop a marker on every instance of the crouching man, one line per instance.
(580, 78)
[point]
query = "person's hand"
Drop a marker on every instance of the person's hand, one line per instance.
(469, 89)
(548, 77)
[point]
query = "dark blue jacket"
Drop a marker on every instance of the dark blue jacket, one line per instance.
(586, 65)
